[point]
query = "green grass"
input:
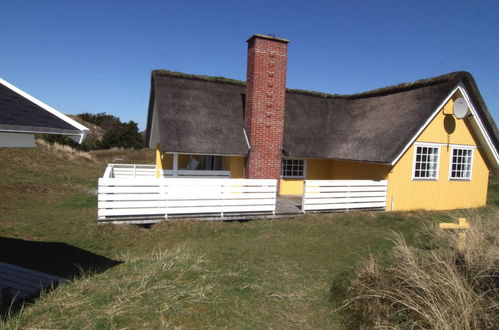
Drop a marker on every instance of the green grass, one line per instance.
(287, 273)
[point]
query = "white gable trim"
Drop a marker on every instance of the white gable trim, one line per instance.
(246, 138)
(48, 108)
(460, 87)
(479, 122)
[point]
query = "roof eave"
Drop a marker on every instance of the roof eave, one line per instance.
(82, 130)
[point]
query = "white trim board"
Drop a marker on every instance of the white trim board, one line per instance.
(198, 154)
(478, 120)
(84, 130)
(446, 144)
(460, 87)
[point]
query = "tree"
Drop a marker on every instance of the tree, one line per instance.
(117, 134)
(127, 136)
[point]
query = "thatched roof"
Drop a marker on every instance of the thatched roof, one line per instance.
(199, 114)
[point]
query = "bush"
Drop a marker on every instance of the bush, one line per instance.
(112, 134)
(125, 136)
(432, 286)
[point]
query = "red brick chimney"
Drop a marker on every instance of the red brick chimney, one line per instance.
(264, 111)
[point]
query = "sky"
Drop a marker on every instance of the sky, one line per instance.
(97, 56)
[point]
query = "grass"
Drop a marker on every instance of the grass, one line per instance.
(433, 284)
(289, 273)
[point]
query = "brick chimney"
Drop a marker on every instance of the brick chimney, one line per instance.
(264, 111)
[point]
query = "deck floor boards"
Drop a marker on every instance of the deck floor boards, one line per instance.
(24, 282)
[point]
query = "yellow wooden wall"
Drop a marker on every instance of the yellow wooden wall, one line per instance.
(234, 164)
(329, 169)
(404, 193)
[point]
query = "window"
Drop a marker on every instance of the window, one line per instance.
(426, 162)
(460, 166)
(293, 168)
(212, 163)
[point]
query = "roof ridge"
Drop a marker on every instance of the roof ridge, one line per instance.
(176, 74)
(405, 86)
(402, 87)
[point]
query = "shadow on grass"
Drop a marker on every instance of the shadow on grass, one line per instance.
(53, 258)
(59, 259)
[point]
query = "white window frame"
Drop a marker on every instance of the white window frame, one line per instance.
(293, 176)
(427, 145)
(451, 156)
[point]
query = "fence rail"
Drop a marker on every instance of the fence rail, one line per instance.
(165, 197)
(197, 174)
(143, 170)
(323, 195)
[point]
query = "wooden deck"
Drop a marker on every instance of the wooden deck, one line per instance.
(131, 194)
(22, 283)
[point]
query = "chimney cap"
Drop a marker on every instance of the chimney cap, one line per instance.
(269, 37)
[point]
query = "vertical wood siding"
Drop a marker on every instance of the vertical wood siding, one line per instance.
(328, 169)
(404, 193)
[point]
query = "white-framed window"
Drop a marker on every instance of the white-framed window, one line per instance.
(293, 168)
(426, 159)
(461, 163)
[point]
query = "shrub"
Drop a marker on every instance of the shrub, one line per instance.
(431, 286)
(106, 132)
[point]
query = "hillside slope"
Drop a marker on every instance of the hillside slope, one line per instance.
(185, 274)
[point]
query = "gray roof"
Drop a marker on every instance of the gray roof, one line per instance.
(199, 114)
(19, 114)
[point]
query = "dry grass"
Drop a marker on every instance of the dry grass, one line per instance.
(148, 291)
(434, 286)
(63, 151)
(117, 155)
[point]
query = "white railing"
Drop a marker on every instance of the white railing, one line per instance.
(322, 195)
(165, 197)
(129, 171)
(139, 171)
(197, 174)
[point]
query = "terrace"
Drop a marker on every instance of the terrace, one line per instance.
(133, 194)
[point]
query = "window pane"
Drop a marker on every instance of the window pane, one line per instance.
(461, 163)
(426, 162)
(292, 168)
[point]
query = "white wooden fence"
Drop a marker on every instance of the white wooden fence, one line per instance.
(130, 171)
(165, 197)
(322, 195)
(140, 171)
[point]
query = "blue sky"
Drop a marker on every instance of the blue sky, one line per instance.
(97, 56)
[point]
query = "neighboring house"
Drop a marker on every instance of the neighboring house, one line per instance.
(407, 134)
(22, 116)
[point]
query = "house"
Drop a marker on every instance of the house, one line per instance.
(433, 140)
(22, 116)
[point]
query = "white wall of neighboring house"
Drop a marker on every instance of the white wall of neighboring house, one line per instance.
(17, 140)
